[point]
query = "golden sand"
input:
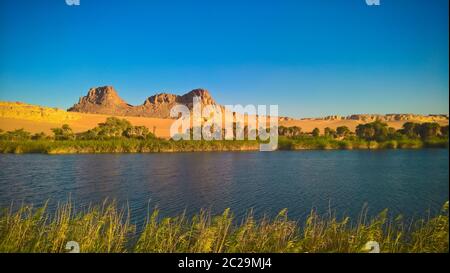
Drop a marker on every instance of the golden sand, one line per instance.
(38, 119)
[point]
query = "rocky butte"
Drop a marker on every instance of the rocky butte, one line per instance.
(105, 100)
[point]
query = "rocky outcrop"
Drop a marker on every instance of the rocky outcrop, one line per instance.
(397, 117)
(334, 117)
(387, 118)
(281, 119)
(105, 100)
(102, 100)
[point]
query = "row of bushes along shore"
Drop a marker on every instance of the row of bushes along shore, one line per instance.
(120, 136)
(167, 146)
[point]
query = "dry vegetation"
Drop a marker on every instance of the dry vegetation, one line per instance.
(108, 229)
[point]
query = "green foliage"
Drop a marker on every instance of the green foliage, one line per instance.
(99, 229)
(63, 133)
(374, 131)
(16, 135)
(114, 128)
(306, 142)
(444, 131)
(428, 130)
(105, 228)
(328, 132)
(431, 235)
(425, 131)
(408, 143)
(343, 131)
(315, 132)
(124, 145)
(119, 136)
(39, 136)
(285, 143)
(436, 142)
(141, 132)
(409, 129)
(289, 131)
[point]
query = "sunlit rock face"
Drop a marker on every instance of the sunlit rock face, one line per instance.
(105, 100)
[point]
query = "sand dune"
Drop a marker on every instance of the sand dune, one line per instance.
(161, 127)
(38, 119)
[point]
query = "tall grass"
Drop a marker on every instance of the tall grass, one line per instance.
(328, 143)
(108, 229)
(129, 145)
(122, 145)
(98, 229)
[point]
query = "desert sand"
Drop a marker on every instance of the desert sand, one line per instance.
(308, 125)
(161, 127)
(38, 119)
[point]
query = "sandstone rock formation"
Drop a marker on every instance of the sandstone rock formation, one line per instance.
(334, 117)
(105, 100)
(102, 100)
(387, 118)
(397, 117)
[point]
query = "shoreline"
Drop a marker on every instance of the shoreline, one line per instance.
(162, 146)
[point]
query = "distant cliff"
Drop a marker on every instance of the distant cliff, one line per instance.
(389, 117)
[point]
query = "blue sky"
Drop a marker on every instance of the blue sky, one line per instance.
(312, 58)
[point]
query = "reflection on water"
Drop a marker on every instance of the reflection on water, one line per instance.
(406, 181)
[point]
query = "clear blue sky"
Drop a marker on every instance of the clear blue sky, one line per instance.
(312, 58)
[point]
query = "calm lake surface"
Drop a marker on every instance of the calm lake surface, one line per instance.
(406, 181)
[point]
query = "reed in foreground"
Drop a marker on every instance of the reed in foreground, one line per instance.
(108, 229)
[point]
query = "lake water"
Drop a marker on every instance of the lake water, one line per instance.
(406, 181)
